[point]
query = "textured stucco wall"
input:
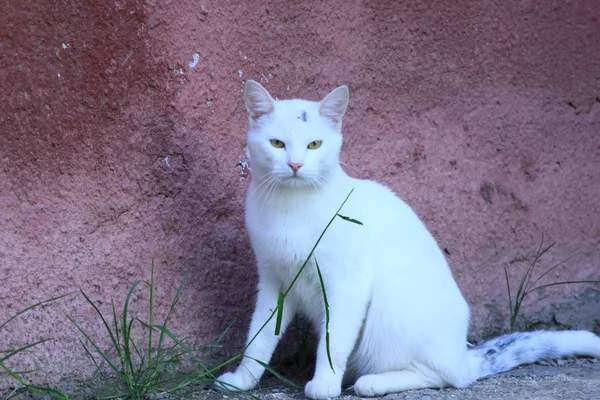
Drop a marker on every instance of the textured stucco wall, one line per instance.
(483, 115)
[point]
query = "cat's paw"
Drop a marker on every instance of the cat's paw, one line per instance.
(369, 386)
(235, 381)
(321, 390)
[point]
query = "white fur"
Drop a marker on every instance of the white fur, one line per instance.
(398, 319)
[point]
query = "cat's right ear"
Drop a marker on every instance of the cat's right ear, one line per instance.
(258, 101)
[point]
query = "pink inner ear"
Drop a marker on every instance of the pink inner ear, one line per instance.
(261, 106)
(335, 104)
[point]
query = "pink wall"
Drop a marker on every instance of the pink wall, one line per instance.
(485, 117)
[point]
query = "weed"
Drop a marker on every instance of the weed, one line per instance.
(526, 286)
(139, 369)
(19, 375)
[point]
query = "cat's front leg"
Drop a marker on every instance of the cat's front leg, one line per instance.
(261, 340)
(347, 307)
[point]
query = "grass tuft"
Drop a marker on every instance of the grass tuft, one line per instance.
(528, 285)
(136, 369)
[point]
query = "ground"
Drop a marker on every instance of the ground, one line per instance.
(577, 379)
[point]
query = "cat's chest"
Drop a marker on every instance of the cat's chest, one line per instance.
(284, 232)
(284, 240)
(283, 246)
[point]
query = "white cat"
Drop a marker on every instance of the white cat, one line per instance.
(397, 318)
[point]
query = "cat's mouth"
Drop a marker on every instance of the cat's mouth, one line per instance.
(295, 180)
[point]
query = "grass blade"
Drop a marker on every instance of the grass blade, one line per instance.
(222, 335)
(91, 356)
(147, 365)
(537, 258)
(279, 313)
(207, 373)
(551, 269)
(117, 341)
(279, 308)
(21, 349)
(126, 327)
(312, 251)
(151, 316)
(106, 326)
(561, 283)
(95, 346)
(277, 374)
(300, 270)
(32, 388)
(354, 221)
(32, 307)
(327, 347)
(510, 306)
(173, 304)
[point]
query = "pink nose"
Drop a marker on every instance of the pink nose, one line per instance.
(295, 166)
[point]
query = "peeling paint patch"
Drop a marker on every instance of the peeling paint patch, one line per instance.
(196, 60)
(265, 78)
(244, 165)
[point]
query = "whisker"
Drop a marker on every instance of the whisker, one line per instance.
(271, 187)
(262, 184)
(318, 180)
(263, 194)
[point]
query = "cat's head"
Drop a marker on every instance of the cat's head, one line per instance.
(294, 143)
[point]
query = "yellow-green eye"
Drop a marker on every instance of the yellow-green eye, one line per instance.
(315, 144)
(278, 144)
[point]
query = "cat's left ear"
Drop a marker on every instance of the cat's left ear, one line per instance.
(334, 104)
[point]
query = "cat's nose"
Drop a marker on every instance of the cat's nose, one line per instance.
(295, 166)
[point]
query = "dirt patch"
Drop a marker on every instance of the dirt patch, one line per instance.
(575, 379)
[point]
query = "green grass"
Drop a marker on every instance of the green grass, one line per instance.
(136, 368)
(19, 376)
(528, 284)
(140, 370)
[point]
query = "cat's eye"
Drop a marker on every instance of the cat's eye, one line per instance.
(315, 144)
(278, 144)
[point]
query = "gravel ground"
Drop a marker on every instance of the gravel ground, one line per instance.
(575, 379)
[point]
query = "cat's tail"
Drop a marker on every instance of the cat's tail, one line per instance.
(508, 351)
